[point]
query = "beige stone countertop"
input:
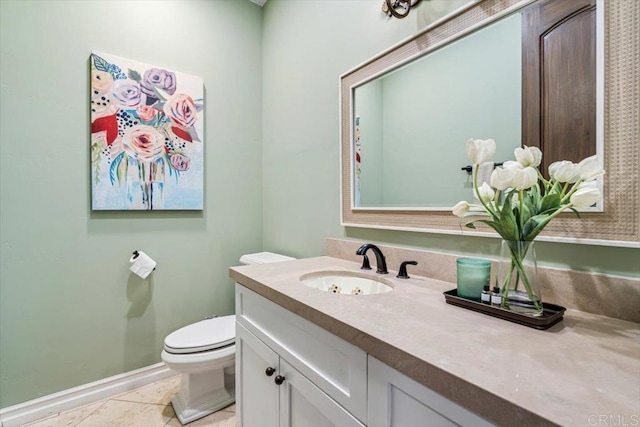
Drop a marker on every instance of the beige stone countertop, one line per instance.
(583, 371)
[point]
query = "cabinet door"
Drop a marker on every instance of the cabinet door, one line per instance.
(397, 400)
(559, 79)
(337, 367)
(256, 392)
(302, 404)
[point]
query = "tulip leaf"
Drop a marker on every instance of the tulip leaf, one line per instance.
(508, 229)
(550, 201)
(575, 212)
(491, 224)
(535, 223)
(524, 217)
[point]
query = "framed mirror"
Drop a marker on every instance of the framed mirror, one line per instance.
(410, 124)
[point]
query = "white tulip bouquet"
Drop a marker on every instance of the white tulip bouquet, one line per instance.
(518, 199)
(518, 202)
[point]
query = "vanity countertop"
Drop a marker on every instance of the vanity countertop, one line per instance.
(583, 371)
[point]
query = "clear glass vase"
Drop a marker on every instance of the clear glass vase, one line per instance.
(517, 278)
(145, 185)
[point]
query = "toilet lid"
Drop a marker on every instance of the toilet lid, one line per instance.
(207, 334)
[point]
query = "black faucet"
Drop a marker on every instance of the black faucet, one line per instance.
(402, 273)
(380, 261)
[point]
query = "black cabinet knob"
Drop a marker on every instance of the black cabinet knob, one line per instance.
(270, 371)
(279, 379)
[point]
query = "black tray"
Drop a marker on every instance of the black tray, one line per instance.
(551, 313)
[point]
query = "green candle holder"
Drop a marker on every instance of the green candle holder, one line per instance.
(472, 275)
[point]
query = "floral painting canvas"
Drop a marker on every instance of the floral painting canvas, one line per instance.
(146, 136)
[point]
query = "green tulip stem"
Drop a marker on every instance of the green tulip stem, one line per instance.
(521, 198)
(546, 183)
(486, 207)
(570, 193)
(516, 263)
(505, 286)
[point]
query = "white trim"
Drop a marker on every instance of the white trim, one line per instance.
(455, 37)
(555, 239)
(600, 95)
(71, 398)
(340, 150)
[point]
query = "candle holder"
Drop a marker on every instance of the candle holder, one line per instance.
(472, 275)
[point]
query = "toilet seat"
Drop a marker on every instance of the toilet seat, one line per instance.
(208, 334)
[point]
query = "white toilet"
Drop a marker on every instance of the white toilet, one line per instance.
(204, 353)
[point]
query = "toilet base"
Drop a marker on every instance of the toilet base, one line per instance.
(187, 415)
(197, 399)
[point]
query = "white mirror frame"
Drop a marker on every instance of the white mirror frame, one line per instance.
(618, 116)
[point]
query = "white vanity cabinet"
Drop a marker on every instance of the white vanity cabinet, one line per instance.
(322, 377)
(323, 380)
(397, 400)
(273, 393)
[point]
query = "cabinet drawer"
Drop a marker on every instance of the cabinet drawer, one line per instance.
(335, 366)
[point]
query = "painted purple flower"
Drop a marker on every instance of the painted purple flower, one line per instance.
(180, 162)
(126, 93)
(158, 78)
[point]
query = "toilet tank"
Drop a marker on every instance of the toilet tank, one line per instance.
(263, 258)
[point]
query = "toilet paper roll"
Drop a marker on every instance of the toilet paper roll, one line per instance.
(142, 264)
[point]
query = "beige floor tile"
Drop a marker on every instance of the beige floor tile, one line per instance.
(160, 392)
(230, 408)
(217, 419)
(130, 414)
(69, 418)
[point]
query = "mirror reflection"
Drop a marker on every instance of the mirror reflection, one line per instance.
(410, 125)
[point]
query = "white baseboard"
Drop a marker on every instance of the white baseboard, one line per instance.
(64, 400)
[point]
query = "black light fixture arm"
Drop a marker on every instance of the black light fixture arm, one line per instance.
(390, 7)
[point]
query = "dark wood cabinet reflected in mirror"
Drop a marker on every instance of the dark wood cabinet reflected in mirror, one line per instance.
(559, 79)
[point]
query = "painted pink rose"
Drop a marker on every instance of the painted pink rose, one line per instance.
(180, 162)
(181, 110)
(146, 113)
(158, 78)
(143, 143)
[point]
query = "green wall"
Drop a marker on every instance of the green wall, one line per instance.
(307, 45)
(435, 104)
(70, 311)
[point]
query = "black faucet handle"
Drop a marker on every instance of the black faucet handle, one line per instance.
(365, 263)
(402, 273)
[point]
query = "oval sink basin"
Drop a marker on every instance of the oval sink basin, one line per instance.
(345, 283)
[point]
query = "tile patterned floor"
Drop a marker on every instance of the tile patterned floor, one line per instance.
(148, 406)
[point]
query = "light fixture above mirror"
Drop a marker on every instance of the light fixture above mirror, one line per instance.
(617, 224)
(398, 8)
